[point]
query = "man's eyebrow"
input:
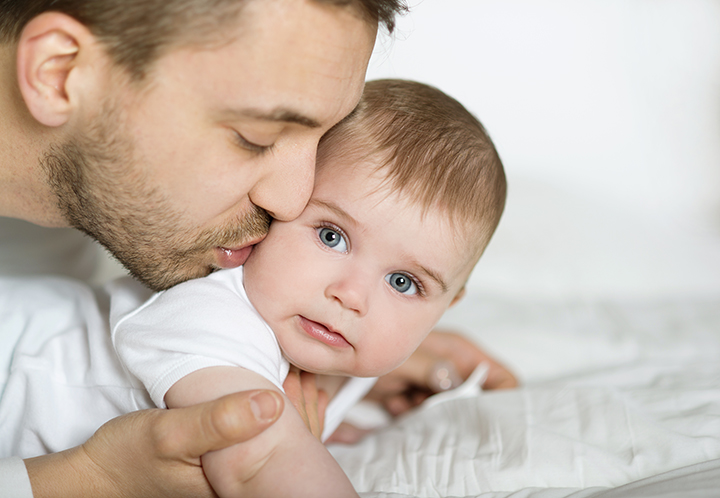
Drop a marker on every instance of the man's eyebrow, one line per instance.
(279, 114)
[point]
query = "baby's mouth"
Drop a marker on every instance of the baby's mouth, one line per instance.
(323, 333)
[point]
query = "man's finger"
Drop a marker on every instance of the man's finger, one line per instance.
(218, 424)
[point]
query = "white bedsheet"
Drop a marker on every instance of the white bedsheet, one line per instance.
(613, 392)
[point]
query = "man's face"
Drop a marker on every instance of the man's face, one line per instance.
(175, 177)
(354, 284)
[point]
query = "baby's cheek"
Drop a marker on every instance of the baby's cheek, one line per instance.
(386, 362)
(404, 352)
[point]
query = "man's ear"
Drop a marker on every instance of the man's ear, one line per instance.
(461, 293)
(50, 50)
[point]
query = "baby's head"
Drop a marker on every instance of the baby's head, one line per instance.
(409, 189)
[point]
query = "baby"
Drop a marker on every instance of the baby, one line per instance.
(408, 191)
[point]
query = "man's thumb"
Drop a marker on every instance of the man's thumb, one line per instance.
(229, 420)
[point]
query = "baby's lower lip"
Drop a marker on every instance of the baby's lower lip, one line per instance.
(320, 332)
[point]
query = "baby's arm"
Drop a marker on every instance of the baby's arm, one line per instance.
(285, 460)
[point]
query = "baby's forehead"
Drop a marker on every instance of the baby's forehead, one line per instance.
(378, 204)
(375, 177)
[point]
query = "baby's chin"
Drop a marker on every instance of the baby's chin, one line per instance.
(308, 363)
(338, 368)
(319, 370)
(340, 372)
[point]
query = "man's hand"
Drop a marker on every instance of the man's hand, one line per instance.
(442, 361)
(154, 453)
(310, 402)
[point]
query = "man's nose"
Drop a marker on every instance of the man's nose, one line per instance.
(285, 185)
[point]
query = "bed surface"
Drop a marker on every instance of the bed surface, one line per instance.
(638, 396)
(620, 383)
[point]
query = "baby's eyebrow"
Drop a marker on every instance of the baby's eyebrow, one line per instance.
(331, 206)
(434, 276)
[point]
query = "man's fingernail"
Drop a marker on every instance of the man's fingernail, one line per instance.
(265, 405)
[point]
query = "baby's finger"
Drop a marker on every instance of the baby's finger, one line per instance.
(311, 396)
(499, 377)
(323, 401)
(294, 391)
(309, 387)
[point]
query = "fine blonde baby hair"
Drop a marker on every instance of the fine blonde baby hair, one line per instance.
(432, 150)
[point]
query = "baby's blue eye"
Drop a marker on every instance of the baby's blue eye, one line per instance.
(401, 283)
(333, 239)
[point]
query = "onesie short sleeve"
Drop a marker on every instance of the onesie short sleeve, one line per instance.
(197, 324)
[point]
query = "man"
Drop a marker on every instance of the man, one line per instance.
(164, 129)
(170, 131)
(173, 158)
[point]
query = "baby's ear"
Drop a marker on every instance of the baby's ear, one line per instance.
(458, 297)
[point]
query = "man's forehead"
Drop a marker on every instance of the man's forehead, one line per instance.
(306, 65)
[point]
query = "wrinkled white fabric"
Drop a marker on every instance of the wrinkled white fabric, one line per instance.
(60, 377)
(644, 400)
(14, 480)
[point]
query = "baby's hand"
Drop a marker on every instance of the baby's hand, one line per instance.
(419, 377)
(308, 400)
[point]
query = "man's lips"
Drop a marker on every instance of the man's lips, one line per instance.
(227, 257)
(323, 334)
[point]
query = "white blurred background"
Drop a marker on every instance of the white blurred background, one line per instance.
(607, 116)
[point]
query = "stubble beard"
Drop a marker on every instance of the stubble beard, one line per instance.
(102, 191)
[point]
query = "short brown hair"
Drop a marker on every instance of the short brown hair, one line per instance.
(135, 32)
(432, 150)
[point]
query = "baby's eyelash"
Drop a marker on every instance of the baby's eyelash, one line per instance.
(418, 285)
(331, 226)
(334, 227)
